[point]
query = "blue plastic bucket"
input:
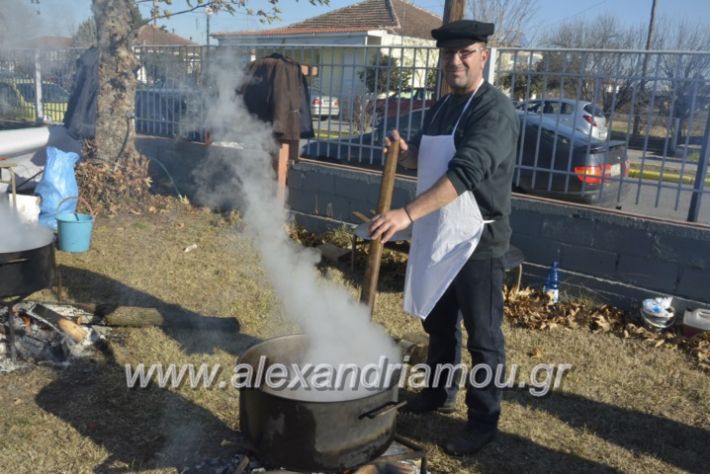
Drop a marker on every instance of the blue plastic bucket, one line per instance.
(74, 231)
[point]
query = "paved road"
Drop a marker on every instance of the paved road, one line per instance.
(646, 198)
(335, 127)
(665, 199)
(669, 164)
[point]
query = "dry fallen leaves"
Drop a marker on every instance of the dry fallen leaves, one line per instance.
(529, 309)
(114, 187)
(536, 352)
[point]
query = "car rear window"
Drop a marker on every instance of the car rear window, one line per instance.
(557, 107)
(593, 110)
(552, 136)
(561, 135)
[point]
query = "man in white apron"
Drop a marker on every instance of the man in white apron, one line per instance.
(464, 155)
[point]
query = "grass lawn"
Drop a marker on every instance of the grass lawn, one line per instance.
(626, 405)
(653, 172)
(335, 133)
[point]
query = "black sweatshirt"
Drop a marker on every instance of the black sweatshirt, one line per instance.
(486, 143)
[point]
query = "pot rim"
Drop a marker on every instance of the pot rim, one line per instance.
(48, 240)
(366, 393)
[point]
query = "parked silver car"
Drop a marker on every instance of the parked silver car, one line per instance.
(324, 106)
(580, 115)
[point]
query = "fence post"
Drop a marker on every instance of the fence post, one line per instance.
(700, 176)
(489, 70)
(39, 117)
(674, 138)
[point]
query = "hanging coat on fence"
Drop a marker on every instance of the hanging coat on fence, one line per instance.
(80, 117)
(277, 92)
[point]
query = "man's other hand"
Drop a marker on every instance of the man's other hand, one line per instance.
(384, 226)
(403, 147)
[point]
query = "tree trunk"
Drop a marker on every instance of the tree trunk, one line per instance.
(117, 23)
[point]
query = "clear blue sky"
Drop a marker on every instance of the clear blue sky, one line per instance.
(59, 16)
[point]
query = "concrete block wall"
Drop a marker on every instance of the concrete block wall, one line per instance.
(334, 192)
(615, 252)
(612, 256)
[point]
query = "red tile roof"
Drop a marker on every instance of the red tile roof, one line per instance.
(149, 35)
(395, 16)
(51, 41)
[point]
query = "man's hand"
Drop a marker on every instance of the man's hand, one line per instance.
(384, 226)
(404, 158)
(394, 137)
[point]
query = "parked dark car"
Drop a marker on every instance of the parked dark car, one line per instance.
(367, 148)
(553, 160)
(400, 103)
(557, 161)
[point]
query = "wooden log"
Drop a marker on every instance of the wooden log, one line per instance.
(287, 152)
(106, 314)
(132, 316)
(73, 330)
(138, 316)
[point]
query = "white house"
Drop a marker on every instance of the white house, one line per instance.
(342, 43)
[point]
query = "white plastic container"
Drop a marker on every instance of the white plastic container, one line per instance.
(695, 321)
(657, 313)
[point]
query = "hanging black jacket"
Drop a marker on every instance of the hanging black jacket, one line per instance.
(277, 92)
(80, 117)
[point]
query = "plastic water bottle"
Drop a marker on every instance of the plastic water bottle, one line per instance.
(552, 283)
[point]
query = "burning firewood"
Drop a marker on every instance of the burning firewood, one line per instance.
(73, 330)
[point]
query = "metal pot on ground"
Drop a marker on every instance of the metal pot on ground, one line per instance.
(25, 268)
(22, 272)
(308, 435)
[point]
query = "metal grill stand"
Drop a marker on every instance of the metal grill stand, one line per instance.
(10, 304)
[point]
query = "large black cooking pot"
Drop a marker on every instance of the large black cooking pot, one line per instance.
(26, 270)
(305, 435)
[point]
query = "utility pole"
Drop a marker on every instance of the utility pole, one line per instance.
(644, 67)
(208, 14)
(650, 25)
(154, 12)
(453, 11)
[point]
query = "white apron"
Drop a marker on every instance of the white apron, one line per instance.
(442, 241)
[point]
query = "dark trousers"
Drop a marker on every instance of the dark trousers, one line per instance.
(476, 294)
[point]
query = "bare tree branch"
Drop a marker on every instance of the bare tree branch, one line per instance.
(511, 17)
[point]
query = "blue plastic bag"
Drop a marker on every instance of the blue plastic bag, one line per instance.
(57, 188)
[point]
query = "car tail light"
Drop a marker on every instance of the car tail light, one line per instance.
(592, 174)
(316, 101)
(590, 120)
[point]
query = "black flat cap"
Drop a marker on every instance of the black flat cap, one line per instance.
(459, 34)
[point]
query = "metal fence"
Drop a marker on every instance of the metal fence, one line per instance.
(653, 104)
(616, 128)
(22, 98)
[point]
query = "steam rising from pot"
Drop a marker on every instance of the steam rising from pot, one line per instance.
(243, 177)
(16, 234)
